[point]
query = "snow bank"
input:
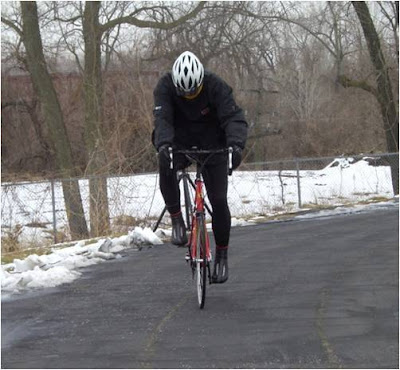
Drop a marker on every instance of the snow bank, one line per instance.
(62, 265)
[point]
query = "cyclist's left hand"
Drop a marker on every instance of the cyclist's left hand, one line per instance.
(237, 152)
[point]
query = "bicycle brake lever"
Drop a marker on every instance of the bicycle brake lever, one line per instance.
(171, 157)
(230, 151)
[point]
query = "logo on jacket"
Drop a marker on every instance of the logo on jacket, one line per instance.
(205, 111)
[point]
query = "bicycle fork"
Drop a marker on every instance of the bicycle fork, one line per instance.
(198, 218)
(192, 255)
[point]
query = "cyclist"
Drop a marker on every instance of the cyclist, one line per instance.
(195, 107)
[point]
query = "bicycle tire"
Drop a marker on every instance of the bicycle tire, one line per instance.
(201, 261)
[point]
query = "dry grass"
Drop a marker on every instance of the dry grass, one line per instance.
(10, 240)
(23, 253)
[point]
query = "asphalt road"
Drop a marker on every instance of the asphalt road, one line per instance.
(319, 293)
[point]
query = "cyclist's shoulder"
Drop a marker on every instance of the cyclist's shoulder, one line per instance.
(214, 82)
(212, 78)
(164, 83)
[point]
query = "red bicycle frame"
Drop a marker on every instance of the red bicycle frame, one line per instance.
(197, 212)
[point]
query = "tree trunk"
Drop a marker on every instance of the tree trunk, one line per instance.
(93, 87)
(384, 91)
(53, 117)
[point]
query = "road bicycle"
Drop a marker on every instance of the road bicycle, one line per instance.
(199, 254)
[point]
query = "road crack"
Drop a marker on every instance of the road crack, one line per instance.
(149, 348)
(333, 359)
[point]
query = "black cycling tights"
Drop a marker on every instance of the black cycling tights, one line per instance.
(216, 181)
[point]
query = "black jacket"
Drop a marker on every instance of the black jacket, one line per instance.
(211, 120)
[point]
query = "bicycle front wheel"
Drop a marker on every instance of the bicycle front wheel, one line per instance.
(201, 261)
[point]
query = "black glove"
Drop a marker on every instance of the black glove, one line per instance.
(163, 155)
(236, 156)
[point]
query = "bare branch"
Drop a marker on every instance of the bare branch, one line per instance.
(152, 24)
(291, 21)
(347, 82)
(12, 25)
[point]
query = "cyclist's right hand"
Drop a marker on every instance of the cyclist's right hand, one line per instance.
(164, 154)
(236, 156)
(164, 149)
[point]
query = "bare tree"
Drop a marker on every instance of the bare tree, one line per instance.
(44, 88)
(384, 93)
(332, 32)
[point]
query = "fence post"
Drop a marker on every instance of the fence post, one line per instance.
(53, 202)
(298, 182)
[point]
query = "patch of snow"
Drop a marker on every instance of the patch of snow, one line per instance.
(62, 264)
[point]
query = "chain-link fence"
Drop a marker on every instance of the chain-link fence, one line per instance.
(33, 213)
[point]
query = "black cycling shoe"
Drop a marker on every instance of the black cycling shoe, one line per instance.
(178, 230)
(220, 274)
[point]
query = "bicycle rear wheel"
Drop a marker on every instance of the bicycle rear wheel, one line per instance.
(201, 261)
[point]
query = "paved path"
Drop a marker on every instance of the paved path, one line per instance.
(305, 294)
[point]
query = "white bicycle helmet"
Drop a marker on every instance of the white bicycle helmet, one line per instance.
(187, 73)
